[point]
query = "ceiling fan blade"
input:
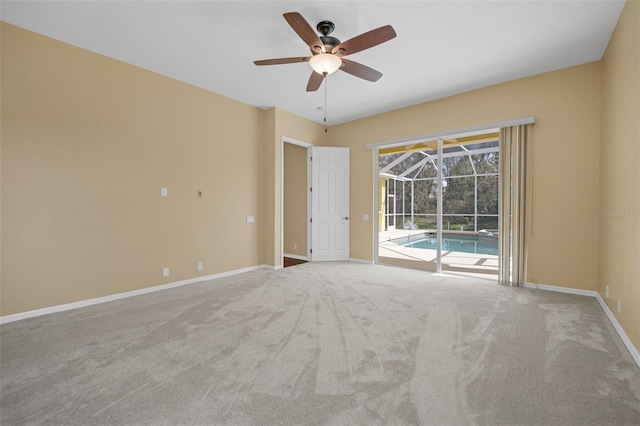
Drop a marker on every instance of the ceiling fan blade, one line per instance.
(314, 81)
(359, 70)
(365, 41)
(304, 30)
(279, 61)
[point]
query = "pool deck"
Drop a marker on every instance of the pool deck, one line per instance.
(468, 264)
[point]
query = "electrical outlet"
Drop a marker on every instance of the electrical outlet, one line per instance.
(619, 305)
(606, 291)
(251, 219)
(164, 192)
(365, 217)
(199, 266)
(165, 272)
(295, 246)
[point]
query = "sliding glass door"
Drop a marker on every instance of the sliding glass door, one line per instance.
(444, 215)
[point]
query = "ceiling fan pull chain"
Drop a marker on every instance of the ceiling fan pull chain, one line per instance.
(325, 102)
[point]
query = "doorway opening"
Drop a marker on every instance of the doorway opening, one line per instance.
(295, 232)
(438, 205)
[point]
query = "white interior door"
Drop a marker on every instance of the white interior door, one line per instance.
(330, 204)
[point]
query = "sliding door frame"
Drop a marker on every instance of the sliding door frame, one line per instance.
(429, 137)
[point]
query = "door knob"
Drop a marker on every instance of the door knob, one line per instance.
(346, 218)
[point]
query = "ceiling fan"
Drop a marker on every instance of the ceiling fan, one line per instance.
(328, 52)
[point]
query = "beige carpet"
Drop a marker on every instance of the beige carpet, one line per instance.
(330, 343)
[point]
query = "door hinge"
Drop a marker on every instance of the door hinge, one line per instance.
(310, 220)
(310, 189)
(310, 250)
(311, 158)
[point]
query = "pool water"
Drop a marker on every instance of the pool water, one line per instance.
(452, 244)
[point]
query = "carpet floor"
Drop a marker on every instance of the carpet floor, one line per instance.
(329, 343)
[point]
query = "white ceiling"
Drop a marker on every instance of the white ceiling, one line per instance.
(442, 47)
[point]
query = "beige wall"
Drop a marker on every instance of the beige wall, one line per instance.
(563, 231)
(267, 186)
(619, 211)
(295, 200)
(87, 144)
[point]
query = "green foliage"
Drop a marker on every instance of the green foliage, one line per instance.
(488, 194)
(460, 195)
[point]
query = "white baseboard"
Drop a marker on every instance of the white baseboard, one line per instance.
(562, 289)
(625, 339)
(88, 302)
(296, 256)
(269, 267)
(354, 260)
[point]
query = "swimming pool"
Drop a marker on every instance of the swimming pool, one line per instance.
(453, 244)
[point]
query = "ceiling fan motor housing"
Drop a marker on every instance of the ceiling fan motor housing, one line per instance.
(329, 42)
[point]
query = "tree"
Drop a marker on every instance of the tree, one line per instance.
(460, 195)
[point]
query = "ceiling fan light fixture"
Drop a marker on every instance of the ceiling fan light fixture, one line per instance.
(325, 63)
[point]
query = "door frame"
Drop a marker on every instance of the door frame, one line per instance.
(307, 146)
